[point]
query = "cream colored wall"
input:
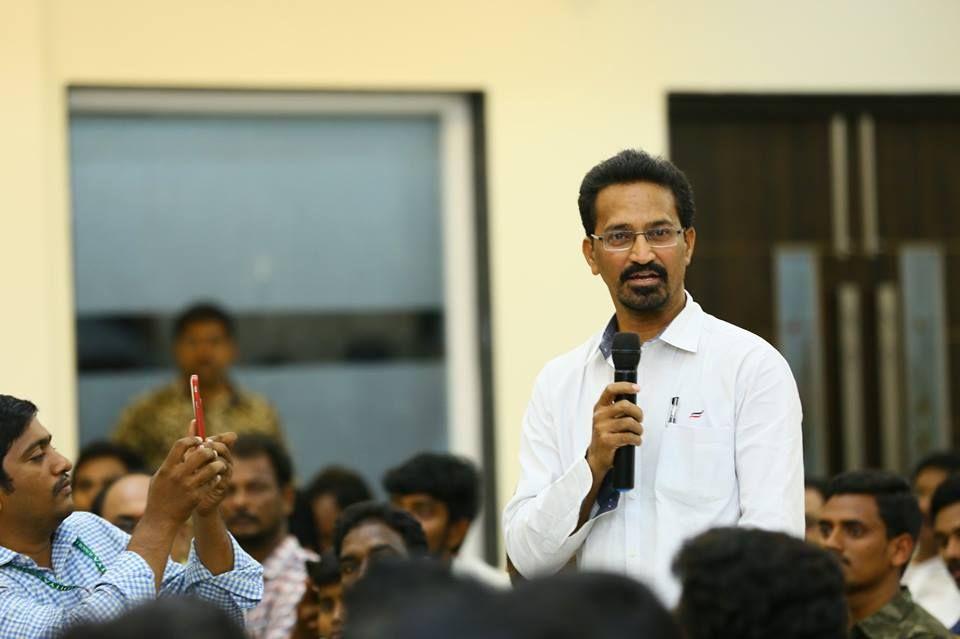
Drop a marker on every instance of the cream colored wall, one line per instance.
(568, 83)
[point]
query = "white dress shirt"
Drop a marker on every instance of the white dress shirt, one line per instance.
(933, 588)
(733, 457)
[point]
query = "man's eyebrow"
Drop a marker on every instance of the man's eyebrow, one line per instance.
(40, 443)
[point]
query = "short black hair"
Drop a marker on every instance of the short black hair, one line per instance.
(453, 480)
(326, 571)
(896, 504)
(15, 416)
(946, 460)
(101, 448)
(255, 445)
(346, 486)
(593, 604)
(398, 520)
(946, 494)
(163, 618)
(743, 583)
(203, 312)
(627, 167)
(816, 483)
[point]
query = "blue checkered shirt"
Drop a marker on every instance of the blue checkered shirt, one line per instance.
(29, 607)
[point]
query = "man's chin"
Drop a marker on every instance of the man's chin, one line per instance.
(644, 299)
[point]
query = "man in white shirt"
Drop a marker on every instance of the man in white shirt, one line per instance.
(717, 418)
(927, 576)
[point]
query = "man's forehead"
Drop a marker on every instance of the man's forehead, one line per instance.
(851, 506)
(372, 532)
(948, 518)
(34, 433)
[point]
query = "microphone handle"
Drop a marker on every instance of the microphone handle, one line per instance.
(624, 462)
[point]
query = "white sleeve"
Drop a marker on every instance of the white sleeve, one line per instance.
(769, 446)
(540, 518)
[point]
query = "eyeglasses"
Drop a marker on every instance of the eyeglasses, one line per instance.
(623, 239)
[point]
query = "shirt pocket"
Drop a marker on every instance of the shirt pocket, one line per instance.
(696, 463)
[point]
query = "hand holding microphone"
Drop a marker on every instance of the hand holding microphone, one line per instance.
(617, 420)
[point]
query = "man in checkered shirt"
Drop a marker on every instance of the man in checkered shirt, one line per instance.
(58, 568)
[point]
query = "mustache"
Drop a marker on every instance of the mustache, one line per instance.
(643, 269)
(61, 483)
(242, 517)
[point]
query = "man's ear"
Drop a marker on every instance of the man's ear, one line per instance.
(900, 549)
(690, 241)
(588, 255)
(456, 533)
(289, 498)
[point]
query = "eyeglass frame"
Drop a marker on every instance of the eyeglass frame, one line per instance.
(676, 237)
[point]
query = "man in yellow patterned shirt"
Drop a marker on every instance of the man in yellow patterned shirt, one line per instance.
(203, 344)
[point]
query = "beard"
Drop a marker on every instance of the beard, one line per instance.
(644, 298)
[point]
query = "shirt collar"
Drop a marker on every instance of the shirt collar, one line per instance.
(65, 534)
(278, 561)
(893, 613)
(683, 332)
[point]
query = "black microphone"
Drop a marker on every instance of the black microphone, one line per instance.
(626, 358)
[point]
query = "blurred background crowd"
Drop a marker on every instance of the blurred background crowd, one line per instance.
(357, 223)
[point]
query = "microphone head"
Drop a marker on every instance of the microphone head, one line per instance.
(626, 351)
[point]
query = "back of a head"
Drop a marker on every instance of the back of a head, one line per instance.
(742, 583)
(401, 522)
(162, 619)
(410, 600)
(453, 480)
(896, 504)
(347, 486)
(571, 605)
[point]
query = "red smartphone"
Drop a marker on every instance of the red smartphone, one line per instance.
(197, 406)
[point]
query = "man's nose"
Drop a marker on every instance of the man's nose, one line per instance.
(952, 551)
(640, 250)
(62, 465)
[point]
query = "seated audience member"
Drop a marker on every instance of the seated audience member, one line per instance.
(870, 521)
(331, 491)
(167, 618)
(369, 531)
(123, 501)
(442, 492)
(745, 583)
(204, 344)
(100, 570)
(570, 605)
(330, 611)
(98, 464)
(927, 578)
(945, 514)
(812, 503)
(258, 501)
(413, 599)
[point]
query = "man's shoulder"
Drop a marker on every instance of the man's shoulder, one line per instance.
(903, 618)
(151, 398)
(724, 334)
(574, 359)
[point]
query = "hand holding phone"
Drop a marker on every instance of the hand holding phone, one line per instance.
(197, 406)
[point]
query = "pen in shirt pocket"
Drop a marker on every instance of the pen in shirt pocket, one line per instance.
(674, 405)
